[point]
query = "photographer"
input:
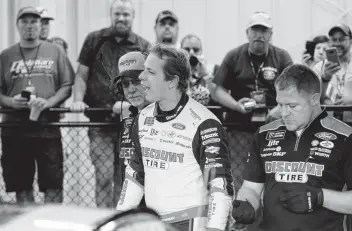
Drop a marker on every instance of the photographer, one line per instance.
(201, 73)
(315, 51)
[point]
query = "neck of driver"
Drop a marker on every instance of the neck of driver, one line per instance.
(170, 101)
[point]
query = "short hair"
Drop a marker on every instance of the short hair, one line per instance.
(299, 76)
(177, 63)
(122, 1)
(190, 36)
(320, 39)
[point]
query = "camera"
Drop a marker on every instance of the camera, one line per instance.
(193, 60)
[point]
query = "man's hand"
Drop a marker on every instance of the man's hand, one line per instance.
(18, 102)
(330, 69)
(240, 105)
(78, 106)
(39, 103)
(243, 212)
(117, 106)
(301, 198)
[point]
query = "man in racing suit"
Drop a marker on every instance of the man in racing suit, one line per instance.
(131, 65)
(180, 151)
(302, 162)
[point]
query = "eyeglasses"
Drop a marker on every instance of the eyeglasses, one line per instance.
(339, 40)
(195, 49)
(135, 82)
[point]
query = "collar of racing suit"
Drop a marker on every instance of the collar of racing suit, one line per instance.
(164, 116)
(316, 121)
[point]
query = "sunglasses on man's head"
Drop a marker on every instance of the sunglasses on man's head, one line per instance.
(126, 83)
(195, 49)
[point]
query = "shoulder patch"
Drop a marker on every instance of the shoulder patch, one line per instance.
(271, 126)
(336, 125)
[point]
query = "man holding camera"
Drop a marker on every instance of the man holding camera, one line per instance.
(201, 72)
(35, 75)
(248, 71)
(337, 76)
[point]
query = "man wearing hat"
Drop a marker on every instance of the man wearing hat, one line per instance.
(166, 28)
(337, 77)
(35, 75)
(45, 30)
(249, 69)
(131, 65)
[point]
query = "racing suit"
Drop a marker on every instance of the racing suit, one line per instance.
(124, 147)
(178, 155)
(320, 157)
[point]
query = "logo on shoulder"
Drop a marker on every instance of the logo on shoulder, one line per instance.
(194, 114)
(212, 149)
(179, 126)
(275, 135)
(325, 136)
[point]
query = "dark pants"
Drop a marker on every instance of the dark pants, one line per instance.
(21, 154)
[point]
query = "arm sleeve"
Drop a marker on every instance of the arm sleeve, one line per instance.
(348, 163)
(87, 50)
(286, 59)
(224, 72)
(254, 170)
(211, 147)
(133, 186)
(66, 72)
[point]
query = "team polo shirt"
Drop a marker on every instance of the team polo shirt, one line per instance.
(320, 157)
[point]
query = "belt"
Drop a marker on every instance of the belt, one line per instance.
(199, 211)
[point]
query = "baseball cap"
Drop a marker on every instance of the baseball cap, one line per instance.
(44, 13)
(166, 14)
(130, 65)
(28, 10)
(341, 27)
(261, 19)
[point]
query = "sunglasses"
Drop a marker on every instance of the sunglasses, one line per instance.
(126, 83)
(195, 49)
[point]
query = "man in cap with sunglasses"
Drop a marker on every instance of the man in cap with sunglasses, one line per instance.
(131, 66)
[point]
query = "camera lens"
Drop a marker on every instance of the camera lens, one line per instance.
(193, 60)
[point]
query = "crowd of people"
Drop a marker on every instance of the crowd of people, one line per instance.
(167, 150)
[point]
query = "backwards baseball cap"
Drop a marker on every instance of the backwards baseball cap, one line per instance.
(28, 10)
(166, 14)
(341, 27)
(44, 13)
(130, 65)
(260, 19)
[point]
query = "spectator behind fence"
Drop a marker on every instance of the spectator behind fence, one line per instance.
(315, 51)
(201, 72)
(98, 65)
(301, 161)
(131, 65)
(180, 150)
(45, 29)
(166, 28)
(44, 71)
(337, 77)
(248, 69)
